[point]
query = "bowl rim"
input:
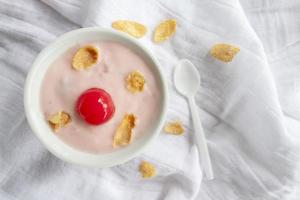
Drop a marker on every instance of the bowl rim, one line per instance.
(30, 113)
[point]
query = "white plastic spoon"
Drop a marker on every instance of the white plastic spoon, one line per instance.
(187, 82)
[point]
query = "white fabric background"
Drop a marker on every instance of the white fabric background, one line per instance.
(250, 108)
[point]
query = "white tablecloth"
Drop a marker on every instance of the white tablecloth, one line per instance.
(250, 108)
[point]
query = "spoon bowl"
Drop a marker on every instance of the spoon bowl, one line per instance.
(187, 78)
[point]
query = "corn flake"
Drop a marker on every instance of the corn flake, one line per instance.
(134, 29)
(85, 57)
(135, 82)
(124, 133)
(224, 52)
(147, 169)
(175, 128)
(59, 120)
(164, 30)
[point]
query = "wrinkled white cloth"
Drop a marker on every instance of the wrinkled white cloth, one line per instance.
(250, 108)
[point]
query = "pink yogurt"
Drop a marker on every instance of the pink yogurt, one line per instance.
(62, 85)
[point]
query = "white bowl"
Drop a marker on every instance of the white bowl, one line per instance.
(36, 118)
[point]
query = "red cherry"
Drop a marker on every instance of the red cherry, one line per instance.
(95, 106)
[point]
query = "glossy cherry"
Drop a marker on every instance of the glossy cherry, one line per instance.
(95, 106)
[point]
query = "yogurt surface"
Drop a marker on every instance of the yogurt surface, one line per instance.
(62, 85)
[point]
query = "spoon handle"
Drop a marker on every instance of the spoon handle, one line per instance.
(200, 140)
